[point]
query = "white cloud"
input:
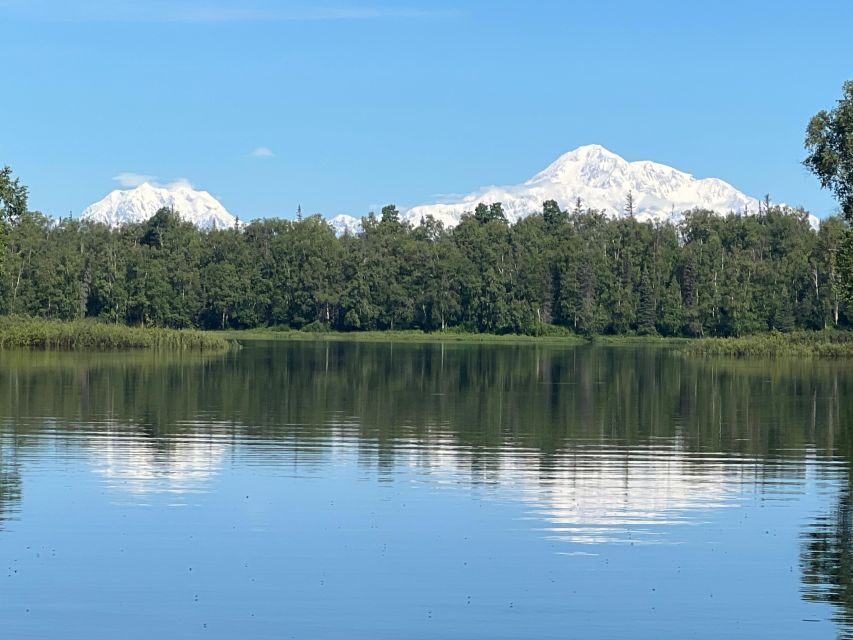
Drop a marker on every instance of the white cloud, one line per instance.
(178, 183)
(262, 152)
(131, 179)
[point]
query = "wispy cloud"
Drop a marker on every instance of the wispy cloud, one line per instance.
(179, 183)
(131, 179)
(261, 152)
(200, 11)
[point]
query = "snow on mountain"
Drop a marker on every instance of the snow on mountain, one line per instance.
(142, 202)
(343, 224)
(600, 178)
(603, 181)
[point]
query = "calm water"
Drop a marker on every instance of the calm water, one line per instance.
(457, 491)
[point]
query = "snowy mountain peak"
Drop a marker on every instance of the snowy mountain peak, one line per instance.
(602, 180)
(344, 224)
(591, 163)
(140, 203)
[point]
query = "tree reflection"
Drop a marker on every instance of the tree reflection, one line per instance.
(10, 482)
(826, 560)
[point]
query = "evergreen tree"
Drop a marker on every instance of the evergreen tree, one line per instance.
(647, 316)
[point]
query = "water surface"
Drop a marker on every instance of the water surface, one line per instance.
(346, 490)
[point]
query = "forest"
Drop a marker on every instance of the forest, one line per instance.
(557, 271)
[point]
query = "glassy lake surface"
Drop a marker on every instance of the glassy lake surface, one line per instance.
(346, 490)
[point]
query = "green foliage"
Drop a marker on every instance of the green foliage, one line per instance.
(829, 141)
(316, 327)
(13, 196)
(824, 344)
(53, 334)
(13, 203)
(552, 273)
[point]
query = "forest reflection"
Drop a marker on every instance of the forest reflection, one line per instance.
(605, 445)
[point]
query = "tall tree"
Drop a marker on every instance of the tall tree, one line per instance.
(829, 141)
(13, 195)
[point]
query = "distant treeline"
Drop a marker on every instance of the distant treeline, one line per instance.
(552, 272)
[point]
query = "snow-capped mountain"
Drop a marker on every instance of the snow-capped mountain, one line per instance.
(602, 180)
(343, 223)
(142, 202)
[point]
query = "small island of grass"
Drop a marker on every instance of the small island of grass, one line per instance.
(821, 344)
(549, 335)
(89, 335)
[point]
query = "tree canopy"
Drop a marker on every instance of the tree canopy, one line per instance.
(556, 270)
(13, 195)
(829, 141)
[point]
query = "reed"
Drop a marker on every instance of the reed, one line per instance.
(819, 344)
(558, 336)
(90, 335)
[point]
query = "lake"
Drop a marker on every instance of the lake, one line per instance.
(357, 490)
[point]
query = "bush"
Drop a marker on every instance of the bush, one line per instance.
(316, 327)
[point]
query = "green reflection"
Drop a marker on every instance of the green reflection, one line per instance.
(482, 396)
(514, 414)
(827, 559)
(10, 479)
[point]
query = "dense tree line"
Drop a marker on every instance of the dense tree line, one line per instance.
(578, 269)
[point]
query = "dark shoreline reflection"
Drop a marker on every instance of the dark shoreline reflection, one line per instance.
(603, 445)
(10, 479)
(826, 560)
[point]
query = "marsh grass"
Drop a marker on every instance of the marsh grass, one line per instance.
(413, 336)
(819, 344)
(90, 335)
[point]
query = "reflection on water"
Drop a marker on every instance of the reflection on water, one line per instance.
(10, 478)
(645, 464)
(625, 496)
(139, 465)
(827, 559)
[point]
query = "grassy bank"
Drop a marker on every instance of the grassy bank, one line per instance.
(87, 335)
(823, 344)
(94, 336)
(412, 336)
(637, 341)
(819, 344)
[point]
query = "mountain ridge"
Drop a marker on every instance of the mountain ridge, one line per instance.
(124, 206)
(602, 180)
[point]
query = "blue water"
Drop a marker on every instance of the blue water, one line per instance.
(377, 518)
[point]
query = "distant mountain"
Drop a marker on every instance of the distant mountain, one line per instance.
(139, 204)
(602, 180)
(342, 223)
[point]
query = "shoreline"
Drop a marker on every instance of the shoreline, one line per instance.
(90, 335)
(799, 344)
(408, 336)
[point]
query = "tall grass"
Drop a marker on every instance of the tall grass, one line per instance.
(561, 337)
(82, 334)
(820, 344)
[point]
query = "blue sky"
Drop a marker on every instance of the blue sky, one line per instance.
(364, 103)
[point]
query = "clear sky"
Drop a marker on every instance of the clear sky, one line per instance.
(346, 105)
